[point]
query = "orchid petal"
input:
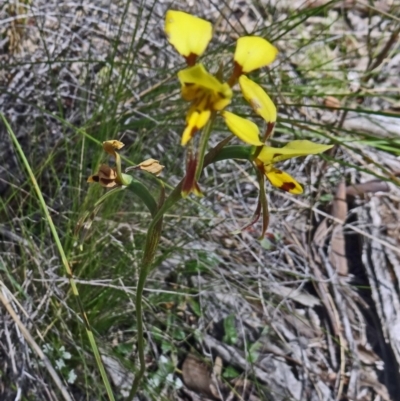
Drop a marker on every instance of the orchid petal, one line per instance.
(258, 99)
(196, 119)
(110, 146)
(244, 129)
(284, 181)
(292, 149)
(253, 52)
(195, 80)
(189, 35)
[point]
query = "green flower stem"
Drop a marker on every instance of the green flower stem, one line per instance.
(152, 240)
(230, 152)
(144, 194)
(264, 203)
(205, 136)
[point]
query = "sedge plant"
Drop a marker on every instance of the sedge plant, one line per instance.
(209, 98)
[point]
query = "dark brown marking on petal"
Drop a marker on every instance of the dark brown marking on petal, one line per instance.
(255, 105)
(191, 59)
(193, 131)
(188, 83)
(269, 131)
(288, 186)
(106, 180)
(237, 72)
(277, 155)
(276, 171)
(260, 166)
(108, 183)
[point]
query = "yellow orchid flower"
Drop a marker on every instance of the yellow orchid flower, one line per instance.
(189, 35)
(206, 93)
(270, 155)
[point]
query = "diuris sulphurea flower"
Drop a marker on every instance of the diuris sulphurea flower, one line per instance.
(268, 156)
(190, 36)
(206, 93)
(264, 159)
(209, 97)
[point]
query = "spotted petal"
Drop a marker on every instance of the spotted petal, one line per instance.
(197, 82)
(292, 149)
(244, 129)
(195, 120)
(189, 35)
(258, 99)
(253, 52)
(284, 181)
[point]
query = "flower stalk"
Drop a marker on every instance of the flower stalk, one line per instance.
(152, 240)
(209, 97)
(205, 136)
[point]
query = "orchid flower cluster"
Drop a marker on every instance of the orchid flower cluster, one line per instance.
(209, 99)
(208, 95)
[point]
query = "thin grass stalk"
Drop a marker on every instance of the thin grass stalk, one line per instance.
(64, 260)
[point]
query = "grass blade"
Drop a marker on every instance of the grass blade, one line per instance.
(63, 259)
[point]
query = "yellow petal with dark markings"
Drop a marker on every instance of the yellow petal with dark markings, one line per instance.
(196, 79)
(284, 181)
(195, 120)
